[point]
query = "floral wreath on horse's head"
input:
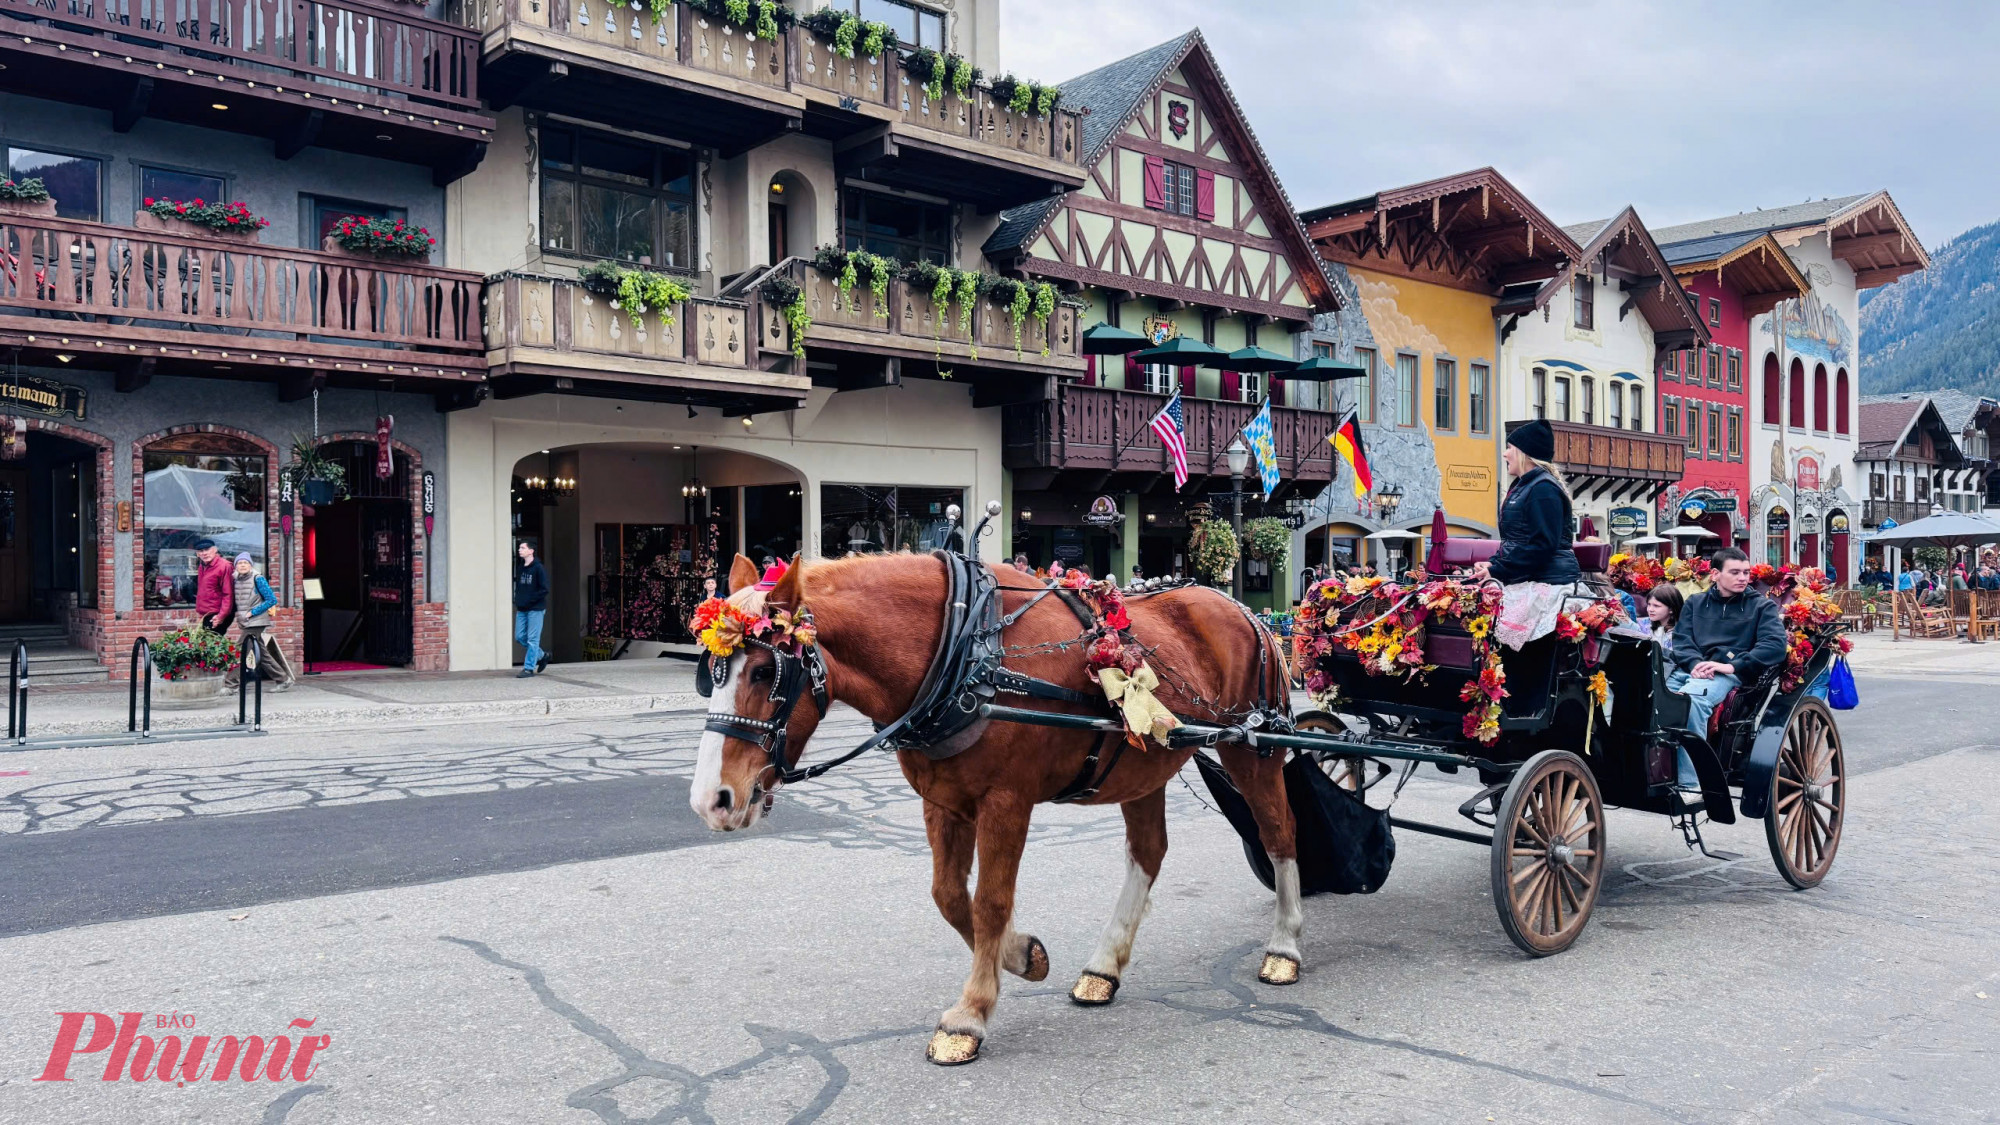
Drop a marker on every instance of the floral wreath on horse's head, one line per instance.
(721, 627)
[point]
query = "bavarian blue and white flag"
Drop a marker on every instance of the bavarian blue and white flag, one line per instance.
(1258, 432)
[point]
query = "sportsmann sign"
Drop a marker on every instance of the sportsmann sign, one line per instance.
(45, 396)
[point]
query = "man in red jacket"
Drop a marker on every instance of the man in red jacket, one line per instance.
(214, 594)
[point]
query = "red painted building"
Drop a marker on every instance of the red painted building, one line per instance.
(1705, 393)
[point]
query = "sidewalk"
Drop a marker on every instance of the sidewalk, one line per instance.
(1938, 658)
(353, 698)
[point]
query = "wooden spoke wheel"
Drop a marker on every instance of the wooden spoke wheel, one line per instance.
(1352, 773)
(1548, 852)
(1808, 796)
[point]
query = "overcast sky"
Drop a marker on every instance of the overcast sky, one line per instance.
(1685, 110)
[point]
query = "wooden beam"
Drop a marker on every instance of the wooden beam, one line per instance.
(1868, 279)
(462, 398)
(453, 170)
(303, 131)
(1340, 224)
(298, 385)
(129, 111)
(1894, 240)
(133, 373)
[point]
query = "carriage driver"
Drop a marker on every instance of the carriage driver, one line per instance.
(1727, 634)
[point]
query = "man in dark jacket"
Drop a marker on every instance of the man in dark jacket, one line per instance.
(1535, 520)
(1726, 635)
(531, 601)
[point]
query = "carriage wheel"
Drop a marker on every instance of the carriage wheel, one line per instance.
(1350, 773)
(1808, 796)
(1548, 852)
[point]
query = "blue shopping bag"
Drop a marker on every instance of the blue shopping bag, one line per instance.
(1841, 694)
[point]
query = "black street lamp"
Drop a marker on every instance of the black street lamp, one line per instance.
(1239, 460)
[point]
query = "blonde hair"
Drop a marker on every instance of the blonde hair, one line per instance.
(1562, 482)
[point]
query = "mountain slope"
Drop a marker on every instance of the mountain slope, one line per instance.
(1939, 327)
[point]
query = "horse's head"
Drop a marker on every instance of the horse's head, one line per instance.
(766, 685)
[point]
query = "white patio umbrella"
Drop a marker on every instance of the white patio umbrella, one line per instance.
(1950, 530)
(1690, 531)
(1647, 541)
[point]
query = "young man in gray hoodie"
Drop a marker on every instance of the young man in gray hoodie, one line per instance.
(1727, 635)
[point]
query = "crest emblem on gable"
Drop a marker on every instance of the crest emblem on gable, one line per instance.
(1177, 118)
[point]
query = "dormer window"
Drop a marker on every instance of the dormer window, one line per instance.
(1583, 295)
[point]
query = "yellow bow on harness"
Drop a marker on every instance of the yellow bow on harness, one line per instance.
(1145, 716)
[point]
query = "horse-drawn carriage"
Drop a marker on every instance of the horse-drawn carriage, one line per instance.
(1412, 673)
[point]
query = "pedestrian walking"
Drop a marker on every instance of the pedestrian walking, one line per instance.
(253, 601)
(214, 596)
(531, 601)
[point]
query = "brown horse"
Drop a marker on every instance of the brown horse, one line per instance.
(878, 618)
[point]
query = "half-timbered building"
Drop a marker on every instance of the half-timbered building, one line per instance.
(1180, 229)
(1420, 269)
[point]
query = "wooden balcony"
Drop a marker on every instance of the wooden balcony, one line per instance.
(1873, 512)
(867, 343)
(139, 302)
(550, 334)
(1627, 465)
(1096, 438)
(699, 79)
(353, 75)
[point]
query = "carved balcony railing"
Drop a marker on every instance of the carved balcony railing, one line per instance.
(1101, 430)
(1873, 512)
(115, 292)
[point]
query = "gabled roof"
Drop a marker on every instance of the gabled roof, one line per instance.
(1474, 229)
(1750, 262)
(1867, 231)
(1622, 245)
(1960, 411)
(1883, 426)
(1111, 95)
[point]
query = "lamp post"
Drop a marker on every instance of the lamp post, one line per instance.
(1387, 500)
(1239, 460)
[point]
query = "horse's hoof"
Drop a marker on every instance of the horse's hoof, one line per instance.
(1038, 961)
(1094, 990)
(1278, 969)
(952, 1048)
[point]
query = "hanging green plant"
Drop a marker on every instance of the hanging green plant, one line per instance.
(790, 298)
(635, 292)
(880, 270)
(1045, 307)
(963, 74)
(1267, 539)
(1045, 99)
(1213, 550)
(762, 19)
(965, 290)
(848, 34)
(767, 21)
(1025, 97)
(738, 11)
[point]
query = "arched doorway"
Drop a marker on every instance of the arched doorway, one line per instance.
(1778, 537)
(630, 532)
(790, 213)
(359, 550)
(1837, 547)
(49, 532)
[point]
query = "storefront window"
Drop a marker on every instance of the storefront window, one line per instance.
(867, 518)
(199, 486)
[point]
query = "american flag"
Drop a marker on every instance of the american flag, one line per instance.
(1168, 423)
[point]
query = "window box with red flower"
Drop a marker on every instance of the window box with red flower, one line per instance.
(26, 197)
(199, 217)
(362, 237)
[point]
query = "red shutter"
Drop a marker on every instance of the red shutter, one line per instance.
(1204, 195)
(1090, 371)
(1187, 381)
(1156, 183)
(1232, 386)
(1277, 391)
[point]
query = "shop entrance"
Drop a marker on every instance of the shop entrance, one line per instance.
(48, 528)
(359, 550)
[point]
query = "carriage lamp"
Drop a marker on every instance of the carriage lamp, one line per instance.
(1387, 501)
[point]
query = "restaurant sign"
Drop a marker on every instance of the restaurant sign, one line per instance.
(1627, 521)
(44, 396)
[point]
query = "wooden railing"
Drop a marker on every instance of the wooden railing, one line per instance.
(1097, 428)
(140, 286)
(909, 318)
(557, 314)
(1873, 512)
(352, 44)
(1601, 451)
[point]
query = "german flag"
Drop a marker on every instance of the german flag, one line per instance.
(1346, 438)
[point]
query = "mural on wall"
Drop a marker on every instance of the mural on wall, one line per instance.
(1398, 455)
(1814, 331)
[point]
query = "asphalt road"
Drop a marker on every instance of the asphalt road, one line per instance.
(521, 921)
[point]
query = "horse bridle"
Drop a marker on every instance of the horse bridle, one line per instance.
(796, 666)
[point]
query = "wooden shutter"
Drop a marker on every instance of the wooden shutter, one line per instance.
(1204, 195)
(1090, 371)
(1156, 183)
(1232, 386)
(1187, 381)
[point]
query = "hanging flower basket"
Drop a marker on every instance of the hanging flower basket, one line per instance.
(1212, 547)
(200, 218)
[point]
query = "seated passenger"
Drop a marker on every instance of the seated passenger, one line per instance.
(1663, 613)
(1726, 635)
(1535, 561)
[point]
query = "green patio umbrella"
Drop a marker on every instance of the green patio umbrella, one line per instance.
(1104, 339)
(1183, 352)
(1320, 369)
(1258, 359)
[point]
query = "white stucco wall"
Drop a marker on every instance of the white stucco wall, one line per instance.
(922, 433)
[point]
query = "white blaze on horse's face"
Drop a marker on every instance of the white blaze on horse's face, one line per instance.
(722, 807)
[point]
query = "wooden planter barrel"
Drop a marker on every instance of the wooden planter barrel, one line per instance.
(41, 209)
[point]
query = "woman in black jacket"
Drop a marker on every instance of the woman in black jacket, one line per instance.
(1535, 524)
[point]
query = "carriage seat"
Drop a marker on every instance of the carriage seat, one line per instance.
(1594, 558)
(1457, 554)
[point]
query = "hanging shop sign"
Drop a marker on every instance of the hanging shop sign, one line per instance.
(1807, 474)
(1068, 546)
(1777, 521)
(1837, 523)
(1722, 503)
(43, 396)
(385, 450)
(1693, 508)
(1627, 521)
(430, 503)
(1104, 513)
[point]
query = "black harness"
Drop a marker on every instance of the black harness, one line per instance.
(966, 671)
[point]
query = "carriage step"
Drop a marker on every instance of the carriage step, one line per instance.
(1690, 827)
(1490, 797)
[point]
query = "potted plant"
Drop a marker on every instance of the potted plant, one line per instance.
(1267, 539)
(635, 292)
(362, 237)
(191, 660)
(315, 477)
(27, 197)
(789, 298)
(1213, 551)
(200, 217)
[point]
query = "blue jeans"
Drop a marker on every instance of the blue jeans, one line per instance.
(1704, 696)
(528, 633)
